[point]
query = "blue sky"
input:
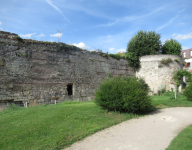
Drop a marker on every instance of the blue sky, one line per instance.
(97, 24)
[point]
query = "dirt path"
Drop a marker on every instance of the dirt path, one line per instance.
(152, 132)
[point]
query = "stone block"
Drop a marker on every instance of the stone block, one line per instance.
(10, 85)
(78, 99)
(85, 99)
(27, 87)
(58, 95)
(41, 101)
(83, 93)
(61, 98)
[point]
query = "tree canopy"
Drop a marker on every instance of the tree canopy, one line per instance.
(143, 43)
(171, 47)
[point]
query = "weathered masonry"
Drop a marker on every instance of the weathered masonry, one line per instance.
(39, 72)
(156, 74)
(42, 72)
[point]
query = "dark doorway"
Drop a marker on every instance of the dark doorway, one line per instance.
(70, 89)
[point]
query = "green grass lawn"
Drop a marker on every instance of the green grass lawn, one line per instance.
(183, 141)
(58, 126)
(164, 101)
(54, 126)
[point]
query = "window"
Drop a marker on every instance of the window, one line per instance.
(70, 89)
(184, 54)
(191, 53)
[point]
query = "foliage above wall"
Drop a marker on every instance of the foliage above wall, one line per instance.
(19, 39)
(115, 56)
(171, 47)
(65, 47)
(143, 43)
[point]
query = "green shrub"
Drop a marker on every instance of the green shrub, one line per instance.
(123, 94)
(188, 92)
(19, 39)
(159, 66)
(105, 55)
(184, 63)
(166, 61)
(177, 60)
(116, 56)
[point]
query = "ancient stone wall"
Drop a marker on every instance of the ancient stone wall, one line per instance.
(156, 74)
(41, 72)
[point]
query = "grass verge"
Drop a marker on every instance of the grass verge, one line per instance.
(165, 101)
(183, 141)
(59, 126)
(54, 126)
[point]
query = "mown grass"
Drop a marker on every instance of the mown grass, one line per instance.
(165, 101)
(59, 126)
(183, 141)
(54, 126)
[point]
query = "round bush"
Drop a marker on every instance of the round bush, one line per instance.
(123, 94)
(188, 91)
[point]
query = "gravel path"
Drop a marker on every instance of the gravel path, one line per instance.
(152, 132)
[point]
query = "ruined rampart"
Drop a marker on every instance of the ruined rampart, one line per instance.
(158, 74)
(41, 72)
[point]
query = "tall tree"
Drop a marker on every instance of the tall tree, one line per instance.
(143, 43)
(171, 47)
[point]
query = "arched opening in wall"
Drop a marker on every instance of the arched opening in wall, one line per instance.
(70, 89)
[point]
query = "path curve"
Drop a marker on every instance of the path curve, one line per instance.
(152, 132)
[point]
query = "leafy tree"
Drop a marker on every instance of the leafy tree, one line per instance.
(143, 43)
(178, 76)
(171, 47)
(188, 92)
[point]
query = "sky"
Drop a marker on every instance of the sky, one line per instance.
(97, 24)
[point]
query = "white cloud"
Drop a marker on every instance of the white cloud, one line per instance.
(1, 28)
(163, 41)
(40, 35)
(182, 10)
(132, 18)
(28, 36)
(0, 23)
(111, 49)
(81, 45)
(56, 35)
(182, 37)
(184, 47)
(56, 8)
(169, 22)
(182, 23)
(121, 50)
